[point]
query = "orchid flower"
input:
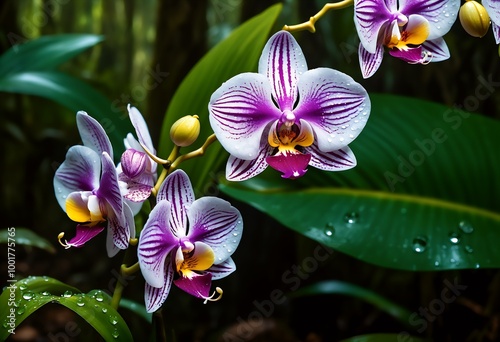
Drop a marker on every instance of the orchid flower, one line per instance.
(189, 256)
(493, 8)
(287, 116)
(137, 171)
(412, 30)
(86, 188)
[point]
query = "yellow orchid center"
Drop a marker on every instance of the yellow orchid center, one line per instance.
(286, 137)
(84, 209)
(414, 33)
(200, 258)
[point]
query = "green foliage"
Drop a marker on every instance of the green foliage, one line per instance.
(25, 237)
(384, 338)
(238, 53)
(422, 196)
(24, 297)
(30, 69)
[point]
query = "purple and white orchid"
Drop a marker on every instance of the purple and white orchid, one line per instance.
(412, 30)
(186, 242)
(493, 8)
(86, 188)
(137, 171)
(287, 116)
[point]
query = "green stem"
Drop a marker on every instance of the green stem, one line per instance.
(309, 25)
(193, 154)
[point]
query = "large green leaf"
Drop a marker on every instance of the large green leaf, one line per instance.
(422, 197)
(73, 94)
(21, 299)
(46, 52)
(13, 237)
(385, 338)
(238, 53)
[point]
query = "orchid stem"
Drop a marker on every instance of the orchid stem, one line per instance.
(309, 25)
(195, 153)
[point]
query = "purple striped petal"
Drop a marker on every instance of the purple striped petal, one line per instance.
(109, 190)
(282, 62)
(339, 160)
(240, 170)
(198, 286)
(83, 235)
(177, 189)
(239, 111)
(218, 224)
(441, 14)
(117, 237)
(410, 55)
(436, 49)
(334, 105)
(79, 172)
(370, 62)
(141, 128)
(154, 297)
(119, 230)
(92, 134)
(155, 243)
(493, 8)
(369, 18)
(223, 269)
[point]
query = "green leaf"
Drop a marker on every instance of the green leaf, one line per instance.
(238, 53)
(46, 52)
(136, 308)
(441, 214)
(73, 94)
(344, 288)
(403, 336)
(23, 236)
(21, 299)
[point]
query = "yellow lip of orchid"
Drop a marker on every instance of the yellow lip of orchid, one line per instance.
(84, 208)
(415, 32)
(201, 258)
(286, 137)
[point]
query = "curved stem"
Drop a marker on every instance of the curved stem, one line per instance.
(309, 25)
(195, 153)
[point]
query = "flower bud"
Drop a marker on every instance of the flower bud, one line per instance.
(185, 131)
(474, 18)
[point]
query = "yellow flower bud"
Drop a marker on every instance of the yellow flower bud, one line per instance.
(474, 18)
(185, 131)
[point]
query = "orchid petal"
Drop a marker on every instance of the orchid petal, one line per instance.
(441, 14)
(133, 162)
(92, 134)
(83, 235)
(154, 297)
(369, 18)
(370, 62)
(76, 206)
(493, 8)
(292, 165)
(141, 128)
(137, 192)
(496, 32)
(240, 170)
(282, 62)
(111, 245)
(223, 269)
(417, 30)
(339, 160)
(199, 259)
(334, 105)
(436, 50)
(240, 110)
(411, 55)
(155, 243)
(79, 172)
(198, 285)
(109, 189)
(119, 230)
(177, 189)
(216, 223)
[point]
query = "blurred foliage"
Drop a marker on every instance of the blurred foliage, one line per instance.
(149, 47)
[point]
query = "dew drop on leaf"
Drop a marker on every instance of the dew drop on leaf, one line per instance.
(419, 244)
(466, 227)
(454, 238)
(351, 217)
(28, 295)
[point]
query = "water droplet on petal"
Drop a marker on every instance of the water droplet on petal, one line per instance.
(419, 244)
(466, 227)
(454, 238)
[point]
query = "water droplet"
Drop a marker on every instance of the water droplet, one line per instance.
(80, 301)
(28, 295)
(45, 293)
(22, 287)
(67, 294)
(436, 263)
(21, 310)
(229, 250)
(351, 217)
(469, 249)
(477, 266)
(99, 297)
(419, 244)
(329, 229)
(113, 320)
(235, 234)
(104, 310)
(115, 333)
(454, 238)
(466, 227)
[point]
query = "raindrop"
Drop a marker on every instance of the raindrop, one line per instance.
(351, 217)
(21, 310)
(115, 333)
(477, 266)
(104, 310)
(436, 263)
(67, 294)
(45, 293)
(80, 302)
(329, 229)
(99, 297)
(469, 249)
(419, 244)
(229, 250)
(235, 234)
(22, 287)
(28, 295)
(113, 320)
(454, 238)
(466, 227)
